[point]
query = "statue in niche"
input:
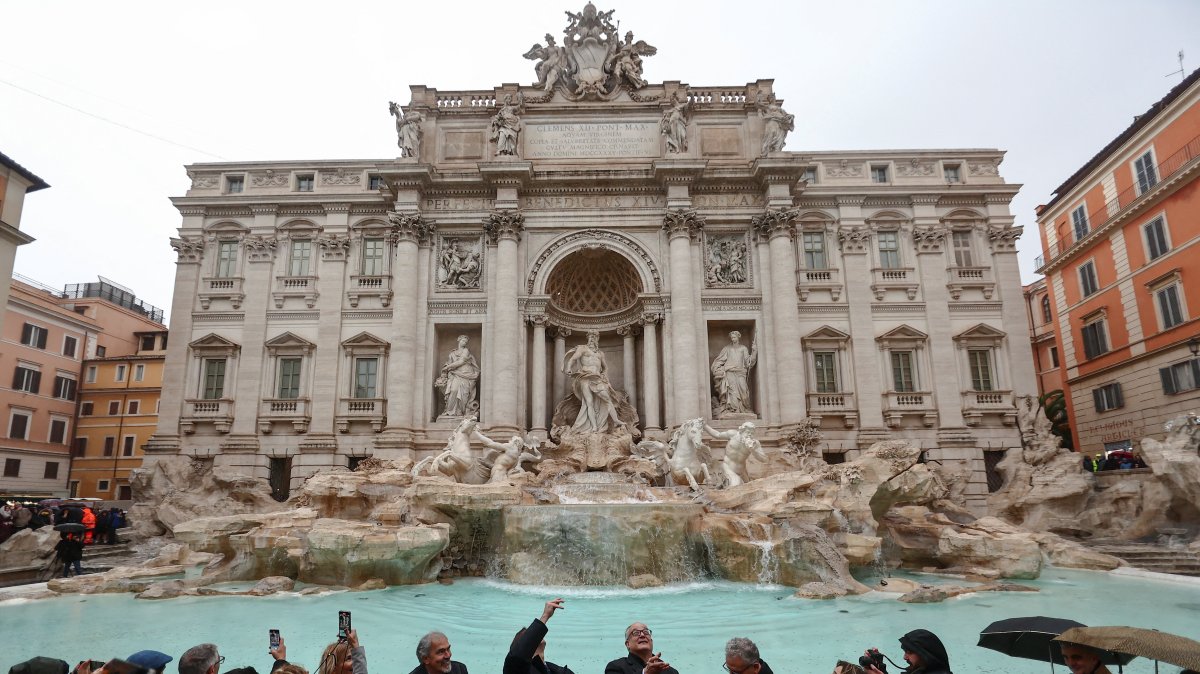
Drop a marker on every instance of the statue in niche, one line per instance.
(408, 130)
(625, 62)
(458, 381)
(741, 445)
(731, 377)
(674, 124)
(776, 123)
(506, 458)
(726, 261)
(506, 126)
(585, 366)
(552, 65)
(458, 265)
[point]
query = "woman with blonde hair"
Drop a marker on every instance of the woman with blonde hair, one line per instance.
(344, 656)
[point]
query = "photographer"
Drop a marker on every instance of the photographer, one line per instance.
(923, 652)
(527, 654)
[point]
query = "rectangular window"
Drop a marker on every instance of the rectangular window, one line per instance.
(304, 182)
(1087, 279)
(127, 445)
(114, 408)
(289, 378)
(91, 374)
(375, 182)
(902, 372)
(214, 378)
(879, 174)
(101, 351)
(962, 249)
(147, 342)
(366, 372)
(101, 485)
(33, 335)
(1080, 220)
(85, 409)
(372, 262)
(889, 250)
(235, 184)
(1147, 177)
(1046, 315)
(18, 426)
(227, 253)
(298, 265)
(64, 387)
(825, 370)
(58, 431)
(12, 468)
(80, 447)
(51, 472)
(26, 379)
(1170, 310)
(810, 175)
(110, 444)
(69, 346)
(1156, 238)
(981, 369)
(951, 172)
(124, 492)
(1095, 339)
(814, 250)
(133, 407)
(120, 375)
(139, 372)
(1180, 377)
(1108, 397)
(1054, 356)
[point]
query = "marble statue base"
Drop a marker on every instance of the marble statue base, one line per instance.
(737, 416)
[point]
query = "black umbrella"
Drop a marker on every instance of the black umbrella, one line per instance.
(1033, 638)
(70, 528)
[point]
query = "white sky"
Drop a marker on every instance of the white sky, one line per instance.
(1049, 81)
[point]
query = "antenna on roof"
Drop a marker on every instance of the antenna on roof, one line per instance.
(1179, 72)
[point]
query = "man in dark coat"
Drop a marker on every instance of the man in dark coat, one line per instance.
(741, 657)
(433, 652)
(642, 659)
(924, 653)
(40, 665)
(527, 655)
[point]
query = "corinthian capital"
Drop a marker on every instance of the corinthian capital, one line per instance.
(504, 224)
(410, 227)
(189, 250)
(1004, 238)
(683, 222)
(775, 222)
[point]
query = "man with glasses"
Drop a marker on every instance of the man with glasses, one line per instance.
(741, 657)
(642, 659)
(202, 659)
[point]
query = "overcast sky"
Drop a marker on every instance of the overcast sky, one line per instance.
(1050, 82)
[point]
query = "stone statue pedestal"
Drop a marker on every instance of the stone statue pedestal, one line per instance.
(595, 451)
(737, 416)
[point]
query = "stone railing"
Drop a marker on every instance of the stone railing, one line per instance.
(884, 279)
(808, 280)
(297, 411)
(304, 287)
(370, 410)
(960, 278)
(897, 404)
(834, 405)
(976, 404)
(370, 286)
(218, 412)
(467, 99)
(717, 96)
(221, 287)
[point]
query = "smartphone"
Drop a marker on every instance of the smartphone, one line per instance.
(274, 639)
(343, 624)
(118, 666)
(95, 664)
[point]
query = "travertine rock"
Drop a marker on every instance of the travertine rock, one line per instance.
(337, 552)
(927, 594)
(344, 494)
(1069, 554)
(175, 489)
(643, 580)
(372, 584)
(273, 584)
(926, 538)
(28, 547)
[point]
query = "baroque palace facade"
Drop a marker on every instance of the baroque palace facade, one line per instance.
(327, 311)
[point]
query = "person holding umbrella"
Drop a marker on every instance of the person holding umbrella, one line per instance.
(1082, 660)
(70, 551)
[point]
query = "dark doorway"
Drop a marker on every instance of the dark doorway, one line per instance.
(281, 478)
(991, 459)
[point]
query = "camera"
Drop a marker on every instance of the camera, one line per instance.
(343, 624)
(873, 658)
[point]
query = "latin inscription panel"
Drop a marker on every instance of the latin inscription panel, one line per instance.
(599, 140)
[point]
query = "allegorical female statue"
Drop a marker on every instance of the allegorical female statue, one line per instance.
(731, 376)
(459, 380)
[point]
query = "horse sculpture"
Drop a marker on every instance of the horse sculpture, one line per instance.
(685, 459)
(456, 461)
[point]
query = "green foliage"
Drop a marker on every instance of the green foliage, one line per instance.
(1054, 406)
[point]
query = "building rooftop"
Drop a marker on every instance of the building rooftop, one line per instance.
(117, 294)
(36, 182)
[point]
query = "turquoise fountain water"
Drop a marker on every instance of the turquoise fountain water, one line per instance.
(691, 622)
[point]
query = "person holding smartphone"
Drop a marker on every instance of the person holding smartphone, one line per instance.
(642, 659)
(344, 656)
(527, 655)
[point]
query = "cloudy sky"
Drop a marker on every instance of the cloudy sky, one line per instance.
(107, 101)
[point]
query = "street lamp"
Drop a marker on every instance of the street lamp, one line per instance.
(1194, 346)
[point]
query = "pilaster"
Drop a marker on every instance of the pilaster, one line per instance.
(854, 239)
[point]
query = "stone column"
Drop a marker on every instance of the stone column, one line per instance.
(651, 420)
(683, 225)
(777, 226)
(629, 363)
(1003, 236)
(505, 227)
(560, 352)
(538, 424)
(929, 240)
(408, 231)
(328, 386)
(854, 239)
(256, 273)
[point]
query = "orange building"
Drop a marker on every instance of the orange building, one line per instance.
(1046, 355)
(1122, 244)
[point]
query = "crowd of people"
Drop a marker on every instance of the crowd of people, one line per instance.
(78, 524)
(1120, 459)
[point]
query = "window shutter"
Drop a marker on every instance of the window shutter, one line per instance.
(1098, 399)
(1120, 395)
(26, 332)
(36, 383)
(70, 389)
(42, 339)
(16, 385)
(1196, 371)
(1168, 381)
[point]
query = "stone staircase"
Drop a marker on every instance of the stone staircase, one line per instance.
(1160, 559)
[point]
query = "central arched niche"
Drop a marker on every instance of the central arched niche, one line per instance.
(593, 281)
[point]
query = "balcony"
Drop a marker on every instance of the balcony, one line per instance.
(369, 410)
(833, 405)
(884, 279)
(899, 404)
(975, 404)
(303, 287)
(296, 411)
(370, 286)
(221, 288)
(1125, 202)
(218, 412)
(970, 278)
(808, 280)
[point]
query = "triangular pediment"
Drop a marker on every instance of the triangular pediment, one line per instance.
(214, 341)
(981, 331)
(289, 339)
(903, 332)
(365, 339)
(826, 334)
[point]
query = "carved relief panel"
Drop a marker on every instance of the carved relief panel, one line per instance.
(727, 260)
(459, 262)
